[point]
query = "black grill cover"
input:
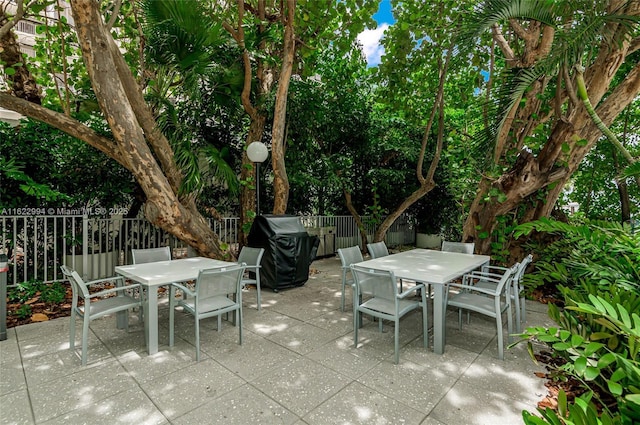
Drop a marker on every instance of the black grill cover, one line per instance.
(289, 250)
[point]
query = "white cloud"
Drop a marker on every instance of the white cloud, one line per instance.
(370, 40)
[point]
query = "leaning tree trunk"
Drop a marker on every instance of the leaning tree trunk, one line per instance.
(520, 185)
(163, 208)
(427, 183)
(534, 183)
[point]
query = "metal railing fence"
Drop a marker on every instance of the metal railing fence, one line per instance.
(37, 245)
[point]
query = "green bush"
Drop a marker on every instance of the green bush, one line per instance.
(23, 312)
(24, 291)
(53, 293)
(597, 269)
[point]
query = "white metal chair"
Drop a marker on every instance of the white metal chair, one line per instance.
(108, 301)
(492, 302)
(516, 291)
(377, 249)
(461, 247)
(218, 291)
(376, 294)
(252, 257)
(348, 256)
(150, 255)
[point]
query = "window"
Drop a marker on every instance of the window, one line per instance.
(26, 27)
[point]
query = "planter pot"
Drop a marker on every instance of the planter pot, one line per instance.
(99, 265)
(425, 240)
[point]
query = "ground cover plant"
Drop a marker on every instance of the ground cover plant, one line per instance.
(34, 301)
(596, 344)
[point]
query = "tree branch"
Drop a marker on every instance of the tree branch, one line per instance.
(502, 42)
(62, 122)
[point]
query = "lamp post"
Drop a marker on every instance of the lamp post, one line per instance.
(257, 153)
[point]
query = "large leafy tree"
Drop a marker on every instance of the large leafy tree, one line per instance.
(598, 185)
(421, 77)
(135, 141)
(279, 40)
(540, 129)
(272, 41)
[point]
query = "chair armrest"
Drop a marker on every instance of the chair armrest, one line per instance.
(411, 291)
(112, 290)
(473, 289)
(486, 274)
(487, 269)
(184, 289)
(253, 267)
(475, 275)
(106, 279)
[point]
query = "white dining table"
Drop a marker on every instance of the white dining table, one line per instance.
(153, 275)
(432, 267)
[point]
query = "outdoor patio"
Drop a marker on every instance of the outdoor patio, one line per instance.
(297, 365)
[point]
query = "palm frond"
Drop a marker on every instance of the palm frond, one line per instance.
(182, 35)
(220, 169)
(631, 171)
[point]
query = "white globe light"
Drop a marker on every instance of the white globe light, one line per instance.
(257, 152)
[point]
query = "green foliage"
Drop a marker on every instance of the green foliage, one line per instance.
(13, 174)
(53, 293)
(582, 412)
(597, 269)
(63, 171)
(595, 183)
(605, 253)
(25, 291)
(23, 311)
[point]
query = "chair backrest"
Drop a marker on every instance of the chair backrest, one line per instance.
(522, 267)
(78, 286)
(219, 281)
(151, 255)
(349, 256)
(374, 283)
(251, 257)
(502, 282)
(378, 249)
(462, 247)
(507, 278)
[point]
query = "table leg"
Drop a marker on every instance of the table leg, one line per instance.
(438, 318)
(122, 317)
(151, 319)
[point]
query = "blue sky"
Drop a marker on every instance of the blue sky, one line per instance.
(370, 39)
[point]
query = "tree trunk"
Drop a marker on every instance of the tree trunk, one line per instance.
(280, 179)
(163, 208)
(534, 183)
(356, 217)
(427, 183)
(22, 83)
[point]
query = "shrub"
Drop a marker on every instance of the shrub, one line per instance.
(53, 293)
(597, 270)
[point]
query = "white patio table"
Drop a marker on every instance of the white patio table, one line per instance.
(156, 274)
(434, 267)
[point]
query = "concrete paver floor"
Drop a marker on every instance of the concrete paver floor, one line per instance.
(297, 365)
